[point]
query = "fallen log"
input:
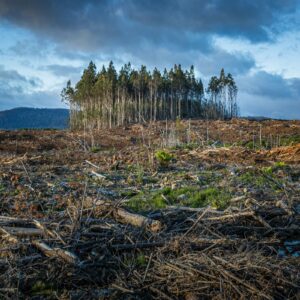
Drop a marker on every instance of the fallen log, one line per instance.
(127, 217)
(23, 231)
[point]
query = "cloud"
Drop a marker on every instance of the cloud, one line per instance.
(11, 79)
(92, 24)
(235, 63)
(273, 86)
(253, 105)
(28, 47)
(64, 34)
(63, 70)
(18, 90)
(245, 18)
(38, 99)
(269, 95)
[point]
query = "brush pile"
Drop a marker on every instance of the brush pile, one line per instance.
(99, 215)
(99, 250)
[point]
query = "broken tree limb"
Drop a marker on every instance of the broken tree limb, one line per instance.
(194, 209)
(48, 232)
(65, 255)
(91, 164)
(127, 217)
(5, 220)
(98, 175)
(230, 216)
(23, 231)
(262, 221)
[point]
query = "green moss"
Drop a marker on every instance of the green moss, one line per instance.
(148, 201)
(195, 197)
(290, 140)
(276, 166)
(127, 193)
(250, 145)
(267, 170)
(227, 145)
(141, 260)
(13, 192)
(135, 260)
(138, 175)
(252, 178)
(280, 164)
(191, 196)
(257, 179)
(212, 177)
(2, 188)
(41, 288)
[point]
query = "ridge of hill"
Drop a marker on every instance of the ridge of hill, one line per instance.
(24, 117)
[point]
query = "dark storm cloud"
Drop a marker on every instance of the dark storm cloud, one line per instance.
(152, 32)
(207, 64)
(92, 24)
(245, 18)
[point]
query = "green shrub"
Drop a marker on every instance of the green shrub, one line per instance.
(163, 157)
(95, 149)
(279, 165)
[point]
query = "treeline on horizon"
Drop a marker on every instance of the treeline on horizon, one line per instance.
(109, 98)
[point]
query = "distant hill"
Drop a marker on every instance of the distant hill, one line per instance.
(22, 117)
(257, 118)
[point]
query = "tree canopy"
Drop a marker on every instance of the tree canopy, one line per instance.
(108, 98)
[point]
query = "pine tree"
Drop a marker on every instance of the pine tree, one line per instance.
(110, 98)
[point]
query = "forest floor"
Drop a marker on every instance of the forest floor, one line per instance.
(176, 210)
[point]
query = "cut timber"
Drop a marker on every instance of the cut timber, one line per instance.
(127, 217)
(67, 256)
(23, 231)
(194, 209)
(10, 220)
(230, 216)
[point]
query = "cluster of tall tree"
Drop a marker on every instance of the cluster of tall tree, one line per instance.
(223, 94)
(109, 98)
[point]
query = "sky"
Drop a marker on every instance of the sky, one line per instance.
(45, 43)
